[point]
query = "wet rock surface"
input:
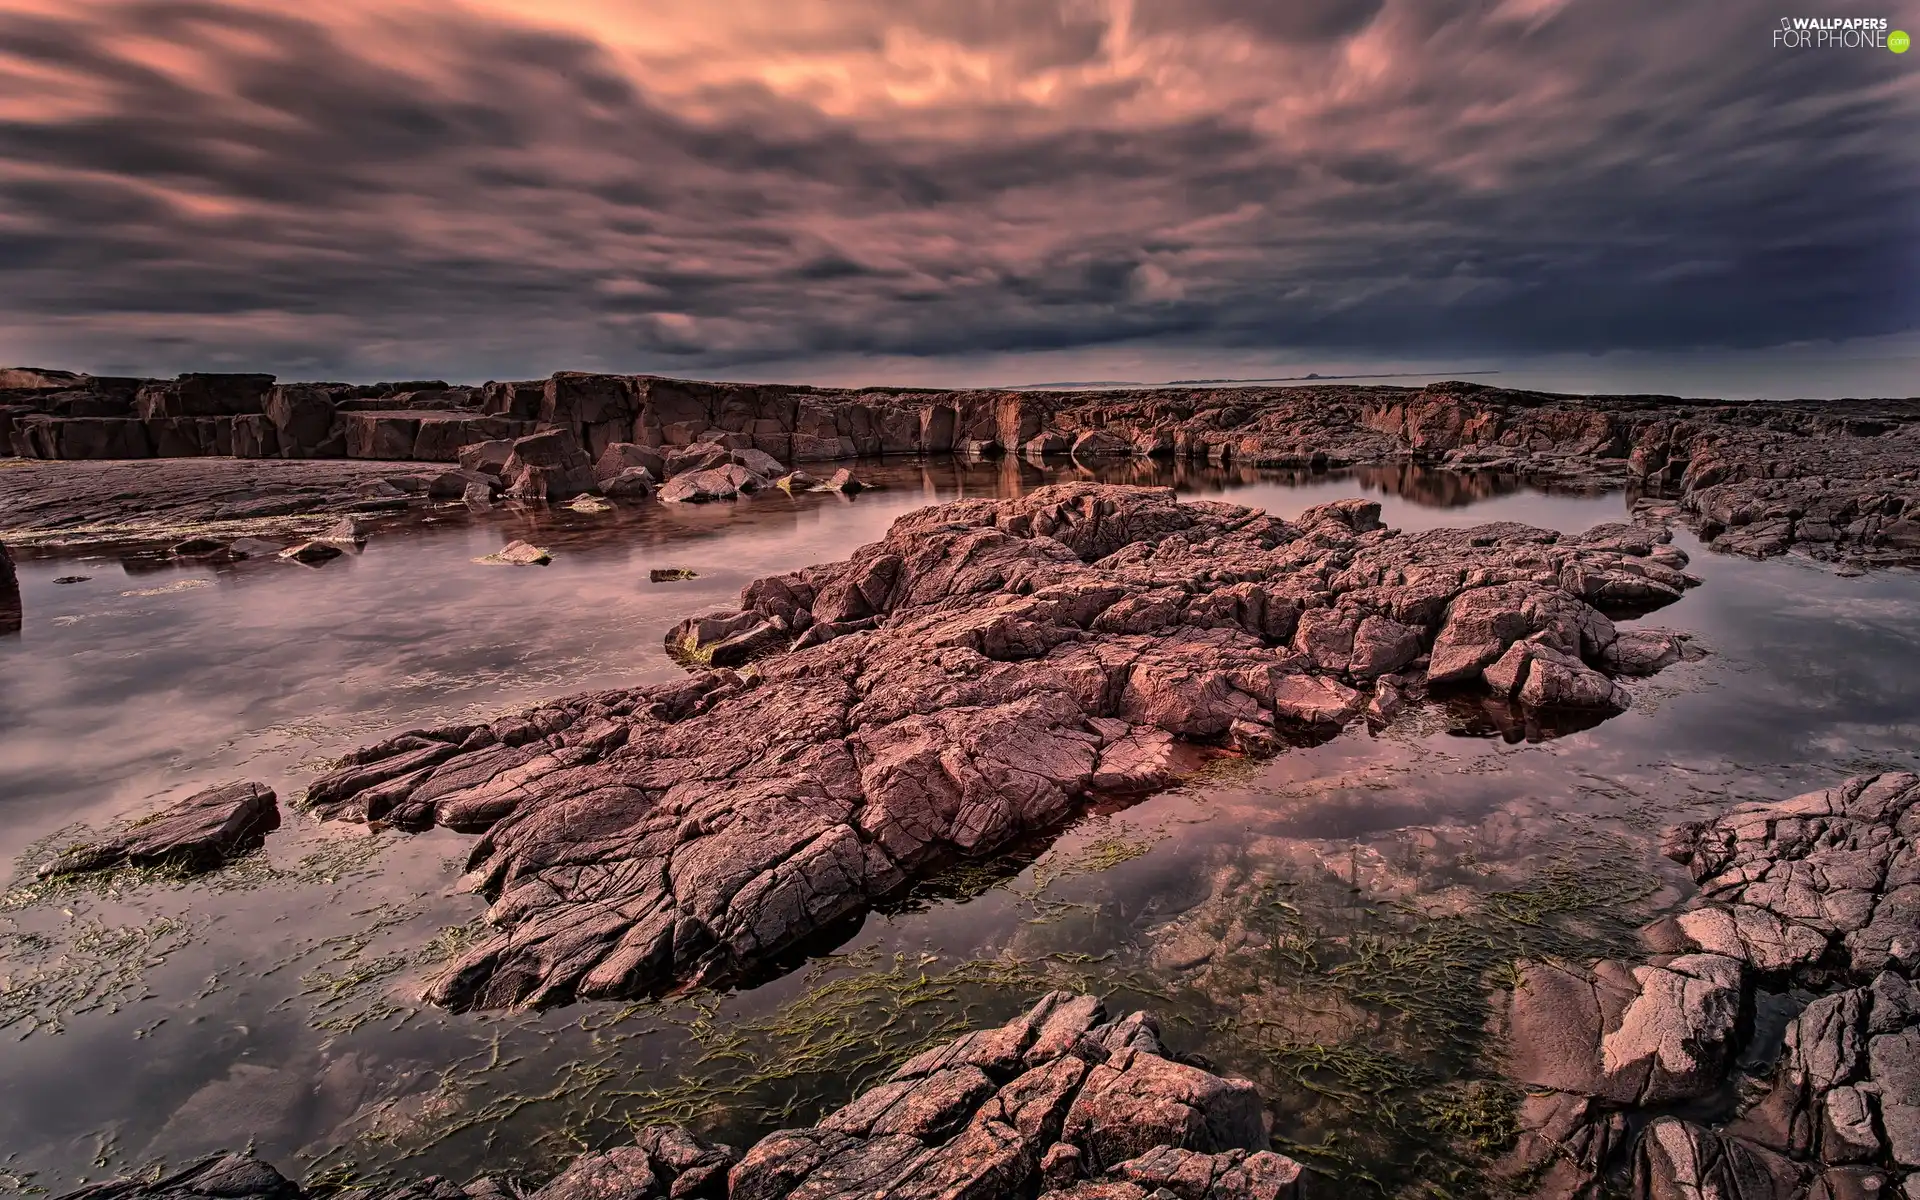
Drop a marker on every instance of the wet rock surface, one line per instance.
(199, 833)
(975, 676)
(1810, 898)
(1061, 1100)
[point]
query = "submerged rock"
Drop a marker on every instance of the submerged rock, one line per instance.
(199, 833)
(1060, 1099)
(975, 676)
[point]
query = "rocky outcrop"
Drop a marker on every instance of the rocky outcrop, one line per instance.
(975, 676)
(1059, 1101)
(1813, 894)
(1834, 478)
(197, 834)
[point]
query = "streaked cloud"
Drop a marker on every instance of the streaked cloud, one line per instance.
(508, 187)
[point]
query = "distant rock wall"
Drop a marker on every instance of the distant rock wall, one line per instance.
(1838, 479)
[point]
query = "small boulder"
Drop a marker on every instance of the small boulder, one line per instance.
(312, 553)
(635, 483)
(702, 456)
(715, 483)
(760, 463)
(518, 554)
(488, 458)
(797, 481)
(345, 532)
(621, 457)
(199, 833)
(671, 574)
(1101, 443)
(844, 482)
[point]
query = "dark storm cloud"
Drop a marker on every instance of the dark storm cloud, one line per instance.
(464, 192)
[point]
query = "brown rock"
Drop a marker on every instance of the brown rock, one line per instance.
(199, 833)
(937, 694)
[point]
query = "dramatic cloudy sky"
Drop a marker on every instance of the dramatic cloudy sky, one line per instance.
(922, 189)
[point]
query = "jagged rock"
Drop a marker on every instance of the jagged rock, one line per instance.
(488, 458)
(760, 463)
(1632, 1035)
(703, 456)
(1100, 443)
(1539, 676)
(622, 457)
(220, 1177)
(1647, 651)
(671, 575)
(1678, 1160)
(548, 466)
(974, 676)
(312, 553)
(199, 833)
(635, 483)
(344, 532)
(997, 1111)
(715, 483)
(796, 481)
(842, 481)
(518, 554)
(1837, 867)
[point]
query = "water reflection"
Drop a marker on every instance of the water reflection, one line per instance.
(274, 1002)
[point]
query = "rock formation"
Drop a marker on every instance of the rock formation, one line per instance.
(1837, 478)
(976, 675)
(199, 833)
(1059, 1101)
(1819, 893)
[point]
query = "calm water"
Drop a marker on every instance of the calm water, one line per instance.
(1298, 921)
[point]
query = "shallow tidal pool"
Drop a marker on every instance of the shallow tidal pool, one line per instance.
(1335, 923)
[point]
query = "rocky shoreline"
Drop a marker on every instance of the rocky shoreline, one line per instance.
(1651, 1079)
(1812, 902)
(1834, 479)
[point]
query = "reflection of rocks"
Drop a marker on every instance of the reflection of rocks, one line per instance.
(1801, 894)
(1059, 1098)
(10, 607)
(936, 695)
(199, 833)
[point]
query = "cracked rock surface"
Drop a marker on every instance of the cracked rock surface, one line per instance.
(974, 676)
(1060, 1101)
(199, 833)
(1811, 897)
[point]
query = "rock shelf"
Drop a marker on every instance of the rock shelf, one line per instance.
(1815, 898)
(976, 676)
